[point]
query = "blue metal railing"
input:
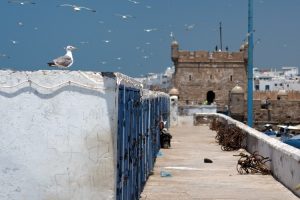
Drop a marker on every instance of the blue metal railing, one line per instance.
(138, 139)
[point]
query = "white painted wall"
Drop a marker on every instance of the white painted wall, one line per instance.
(57, 142)
(173, 111)
(193, 109)
(285, 164)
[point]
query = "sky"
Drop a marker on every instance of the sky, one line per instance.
(34, 34)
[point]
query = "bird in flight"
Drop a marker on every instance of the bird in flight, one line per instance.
(77, 8)
(3, 55)
(14, 41)
(124, 16)
(150, 29)
(106, 41)
(21, 2)
(189, 27)
(172, 36)
(134, 2)
(65, 61)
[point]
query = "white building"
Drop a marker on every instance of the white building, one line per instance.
(273, 80)
(161, 81)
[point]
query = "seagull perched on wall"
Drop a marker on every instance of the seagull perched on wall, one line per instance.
(77, 8)
(64, 61)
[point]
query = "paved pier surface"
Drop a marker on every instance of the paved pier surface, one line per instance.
(191, 178)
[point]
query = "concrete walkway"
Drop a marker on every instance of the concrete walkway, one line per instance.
(191, 178)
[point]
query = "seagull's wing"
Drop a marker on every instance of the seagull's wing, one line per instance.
(63, 61)
(129, 16)
(153, 29)
(82, 7)
(67, 5)
(135, 2)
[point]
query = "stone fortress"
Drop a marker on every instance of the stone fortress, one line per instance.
(207, 76)
(220, 78)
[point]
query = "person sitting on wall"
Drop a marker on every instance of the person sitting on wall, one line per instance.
(165, 139)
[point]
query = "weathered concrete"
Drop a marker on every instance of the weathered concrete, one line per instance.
(56, 135)
(285, 165)
(59, 134)
(193, 179)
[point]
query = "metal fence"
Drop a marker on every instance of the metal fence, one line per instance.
(138, 138)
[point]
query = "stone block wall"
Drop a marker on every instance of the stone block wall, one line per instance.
(280, 111)
(194, 82)
(262, 95)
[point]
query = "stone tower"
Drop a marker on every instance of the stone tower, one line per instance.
(236, 103)
(203, 76)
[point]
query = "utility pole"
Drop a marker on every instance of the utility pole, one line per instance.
(221, 45)
(250, 65)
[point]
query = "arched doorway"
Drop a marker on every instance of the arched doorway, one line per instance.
(210, 97)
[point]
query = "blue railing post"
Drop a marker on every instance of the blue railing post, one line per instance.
(250, 64)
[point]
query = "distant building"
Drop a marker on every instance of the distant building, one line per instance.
(161, 82)
(286, 78)
(207, 77)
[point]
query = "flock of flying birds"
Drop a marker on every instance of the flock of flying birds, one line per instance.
(67, 60)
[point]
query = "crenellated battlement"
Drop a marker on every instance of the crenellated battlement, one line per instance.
(183, 56)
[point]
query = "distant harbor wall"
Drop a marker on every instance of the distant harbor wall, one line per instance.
(277, 112)
(262, 95)
(285, 164)
(76, 135)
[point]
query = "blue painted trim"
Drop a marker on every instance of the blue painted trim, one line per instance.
(250, 65)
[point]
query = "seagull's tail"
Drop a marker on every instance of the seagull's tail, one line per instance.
(51, 64)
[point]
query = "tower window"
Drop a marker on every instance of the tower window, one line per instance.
(230, 77)
(190, 77)
(211, 77)
(267, 87)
